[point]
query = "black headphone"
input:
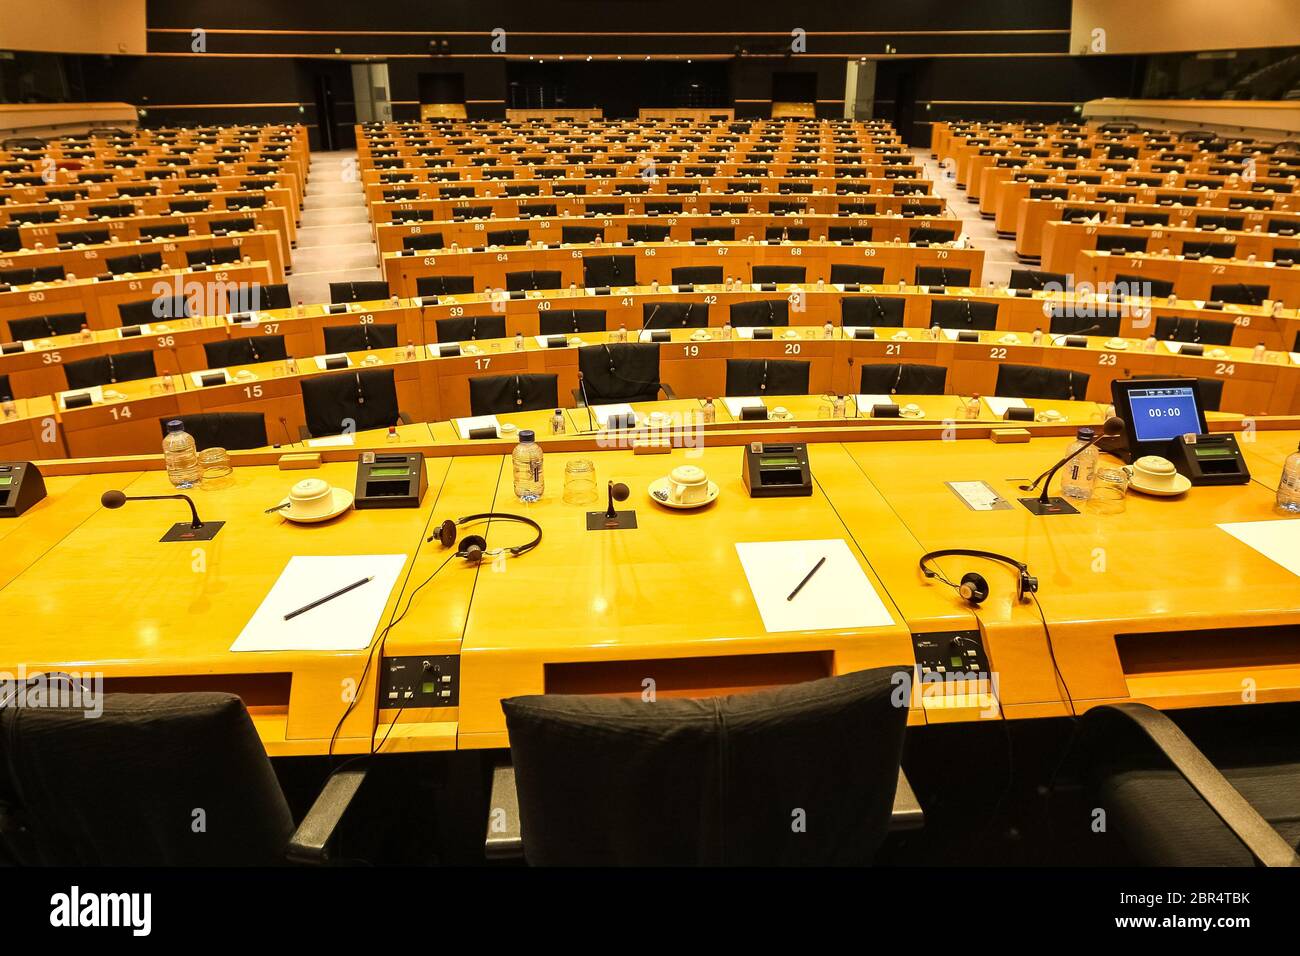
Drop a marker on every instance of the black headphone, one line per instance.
(473, 547)
(973, 587)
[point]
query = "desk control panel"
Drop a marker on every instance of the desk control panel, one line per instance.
(410, 682)
(941, 653)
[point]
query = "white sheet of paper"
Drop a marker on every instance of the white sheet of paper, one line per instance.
(346, 623)
(602, 412)
(1295, 358)
(736, 405)
(999, 406)
(840, 595)
(950, 334)
(1278, 539)
(465, 425)
(346, 440)
(743, 332)
(867, 402)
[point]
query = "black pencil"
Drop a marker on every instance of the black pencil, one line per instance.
(806, 578)
(329, 597)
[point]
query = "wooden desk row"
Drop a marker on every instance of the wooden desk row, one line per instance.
(390, 237)
(668, 601)
(1193, 278)
(1063, 241)
(655, 261)
(86, 261)
(118, 189)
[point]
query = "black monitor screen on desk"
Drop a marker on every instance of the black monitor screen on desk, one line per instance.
(1157, 411)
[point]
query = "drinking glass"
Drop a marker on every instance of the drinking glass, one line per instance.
(579, 482)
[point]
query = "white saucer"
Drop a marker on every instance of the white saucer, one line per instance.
(342, 502)
(1181, 484)
(659, 493)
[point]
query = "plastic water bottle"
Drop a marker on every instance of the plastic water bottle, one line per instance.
(557, 422)
(180, 456)
(1288, 488)
(1077, 475)
(527, 458)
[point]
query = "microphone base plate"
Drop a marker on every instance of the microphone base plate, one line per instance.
(1052, 506)
(183, 532)
(600, 521)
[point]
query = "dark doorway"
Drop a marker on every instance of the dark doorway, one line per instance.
(325, 89)
(794, 87)
(442, 88)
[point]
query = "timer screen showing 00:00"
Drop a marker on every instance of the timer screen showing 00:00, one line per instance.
(1160, 414)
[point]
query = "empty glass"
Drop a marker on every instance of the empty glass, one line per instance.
(579, 482)
(215, 470)
(1109, 488)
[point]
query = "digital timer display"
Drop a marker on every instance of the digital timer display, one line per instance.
(1161, 414)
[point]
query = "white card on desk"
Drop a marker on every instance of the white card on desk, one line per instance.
(838, 596)
(1277, 539)
(466, 425)
(602, 412)
(1295, 358)
(999, 406)
(737, 405)
(345, 440)
(867, 402)
(347, 623)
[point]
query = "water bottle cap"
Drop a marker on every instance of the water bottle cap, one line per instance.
(526, 435)
(175, 425)
(1085, 434)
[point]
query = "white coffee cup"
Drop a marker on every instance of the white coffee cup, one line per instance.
(688, 484)
(1155, 473)
(311, 498)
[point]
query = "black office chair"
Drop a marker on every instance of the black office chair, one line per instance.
(903, 379)
(713, 233)
(471, 327)
(122, 789)
(614, 781)
(571, 321)
(6, 390)
(1181, 328)
(1210, 250)
(843, 273)
(697, 275)
(161, 309)
(212, 257)
(1068, 323)
(507, 237)
(787, 233)
(1121, 243)
(256, 297)
(849, 233)
(360, 338)
(46, 326)
(1037, 381)
(621, 372)
(942, 276)
(963, 314)
(767, 377)
(372, 291)
(232, 431)
(1218, 221)
(1137, 285)
(135, 262)
(109, 369)
(872, 310)
(926, 234)
(674, 315)
(603, 271)
(355, 400)
(11, 239)
(763, 313)
(1038, 280)
(533, 280)
(429, 286)
(649, 232)
(84, 237)
(27, 276)
(423, 242)
(1239, 293)
(779, 274)
(581, 235)
(1157, 777)
(501, 394)
(248, 350)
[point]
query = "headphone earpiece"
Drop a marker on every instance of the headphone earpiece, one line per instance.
(446, 533)
(472, 547)
(973, 587)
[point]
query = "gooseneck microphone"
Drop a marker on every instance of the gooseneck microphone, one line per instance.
(1062, 336)
(194, 530)
(1113, 427)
